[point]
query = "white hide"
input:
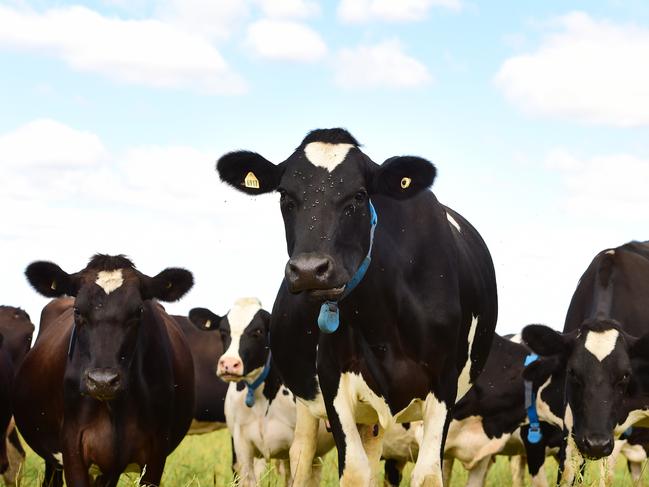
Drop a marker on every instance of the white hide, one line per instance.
(464, 380)
(325, 155)
(601, 343)
(110, 280)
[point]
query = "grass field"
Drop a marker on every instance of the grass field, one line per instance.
(204, 461)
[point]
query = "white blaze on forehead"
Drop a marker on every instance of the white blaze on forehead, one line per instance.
(109, 280)
(464, 380)
(239, 317)
(601, 343)
(610, 252)
(453, 222)
(325, 155)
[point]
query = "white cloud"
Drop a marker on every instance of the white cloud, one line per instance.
(612, 186)
(161, 205)
(209, 18)
(48, 143)
(379, 65)
(589, 70)
(391, 10)
(285, 40)
(289, 8)
(147, 52)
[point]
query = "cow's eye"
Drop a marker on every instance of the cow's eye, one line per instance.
(257, 333)
(361, 195)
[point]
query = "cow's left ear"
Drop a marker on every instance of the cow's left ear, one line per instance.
(170, 285)
(545, 341)
(265, 316)
(50, 280)
(204, 319)
(403, 177)
(249, 172)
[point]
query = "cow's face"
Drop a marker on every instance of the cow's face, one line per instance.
(246, 328)
(325, 188)
(598, 362)
(111, 309)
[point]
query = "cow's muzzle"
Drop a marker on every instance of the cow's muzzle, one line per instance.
(596, 446)
(103, 384)
(311, 271)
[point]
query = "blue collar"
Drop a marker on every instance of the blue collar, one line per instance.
(250, 395)
(329, 317)
(534, 434)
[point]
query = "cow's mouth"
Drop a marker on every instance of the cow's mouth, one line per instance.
(326, 294)
(231, 377)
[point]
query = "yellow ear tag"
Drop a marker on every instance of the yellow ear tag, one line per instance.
(169, 285)
(251, 181)
(405, 182)
(208, 323)
(53, 286)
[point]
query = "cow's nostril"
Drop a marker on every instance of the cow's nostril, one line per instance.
(323, 268)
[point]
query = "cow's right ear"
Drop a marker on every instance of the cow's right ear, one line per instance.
(249, 172)
(50, 280)
(540, 370)
(545, 341)
(204, 319)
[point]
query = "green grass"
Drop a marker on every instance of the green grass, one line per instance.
(204, 461)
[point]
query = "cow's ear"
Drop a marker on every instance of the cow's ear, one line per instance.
(541, 369)
(545, 341)
(639, 349)
(265, 316)
(170, 285)
(249, 172)
(403, 177)
(204, 319)
(50, 280)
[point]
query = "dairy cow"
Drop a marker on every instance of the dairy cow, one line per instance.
(259, 409)
(402, 287)
(602, 354)
(109, 383)
(16, 330)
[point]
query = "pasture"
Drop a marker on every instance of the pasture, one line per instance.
(204, 461)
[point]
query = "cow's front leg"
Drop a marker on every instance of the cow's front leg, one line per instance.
(303, 448)
(245, 458)
(372, 438)
(428, 469)
(75, 470)
(353, 465)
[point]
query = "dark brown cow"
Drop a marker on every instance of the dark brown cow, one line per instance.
(109, 382)
(16, 330)
(209, 391)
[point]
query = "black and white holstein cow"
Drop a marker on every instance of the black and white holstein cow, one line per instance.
(259, 410)
(403, 337)
(602, 355)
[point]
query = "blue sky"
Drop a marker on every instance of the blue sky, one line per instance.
(113, 113)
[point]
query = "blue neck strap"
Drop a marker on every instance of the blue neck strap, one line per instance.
(534, 434)
(329, 317)
(250, 395)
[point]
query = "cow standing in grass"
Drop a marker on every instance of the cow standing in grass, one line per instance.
(405, 335)
(259, 409)
(109, 382)
(602, 355)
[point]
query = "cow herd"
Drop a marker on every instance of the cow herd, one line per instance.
(381, 343)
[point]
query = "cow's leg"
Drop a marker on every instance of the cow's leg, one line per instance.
(303, 448)
(15, 454)
(428, 468)
(75, 471)
(53, 475)
(353, 465)
(372, 438)
(517, 469)
(447, 470)
(153, 471)
(478, 473)
(245, 459)
(636, 473)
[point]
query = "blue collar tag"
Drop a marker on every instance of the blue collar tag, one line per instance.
(534, 434)
(329, 317)
(250, 395)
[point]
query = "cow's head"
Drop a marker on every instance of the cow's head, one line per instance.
(325, 188)
(599, 361)
(111, 312)
(245, 336)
